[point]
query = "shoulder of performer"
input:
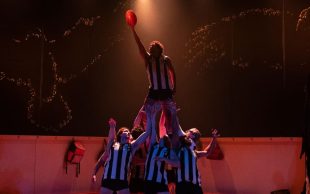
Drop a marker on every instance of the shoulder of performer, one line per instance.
(147, 57)
(167, 59)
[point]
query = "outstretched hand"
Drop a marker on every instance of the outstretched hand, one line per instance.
(94, 178)
(112, 123)
(215, 133)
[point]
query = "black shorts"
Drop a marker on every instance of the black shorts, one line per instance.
(114, 184)
(188, 188)
(136, 185)
(171, 176)
(164, 94)
(153, 188)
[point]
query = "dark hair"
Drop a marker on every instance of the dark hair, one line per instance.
(157, 43)
(196, 133)
(185, 141)
(167, 141)
(136, 132)
(119, 133)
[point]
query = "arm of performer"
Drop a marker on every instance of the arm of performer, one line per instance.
(179, 128)
(142, 50)
(173, 160)
(142, 138)
(209, 149)
(112, 132)
(99, 164)
(175, 120)
(139, 118)
(105, 155)
(172, 73)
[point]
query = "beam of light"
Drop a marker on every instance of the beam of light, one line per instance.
(146, 14)
(159, 20)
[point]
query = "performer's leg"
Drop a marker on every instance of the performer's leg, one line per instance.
(158, 117)
(162, 127)
(156, 107)
(168, 115)
(172, 125)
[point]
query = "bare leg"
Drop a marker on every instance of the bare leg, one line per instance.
(170, 112)
(157, 123)
(172, 123)
(168, 119)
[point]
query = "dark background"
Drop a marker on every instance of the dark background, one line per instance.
(248, 81)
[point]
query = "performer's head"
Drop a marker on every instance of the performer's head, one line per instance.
(136, 132)
(123, 135)
(164, 141)
(193, 134)
(156, 48)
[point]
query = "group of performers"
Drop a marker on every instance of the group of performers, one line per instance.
(156, 156)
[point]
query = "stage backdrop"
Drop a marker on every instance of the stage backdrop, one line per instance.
(67, 66)
(250, 166)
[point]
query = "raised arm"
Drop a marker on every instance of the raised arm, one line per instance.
(112, 132)
(172, 73)
(111, 138)
(209, 149)
(142, 50)
(139, 120)
(175, 120)
(142, 138)
(105, 155)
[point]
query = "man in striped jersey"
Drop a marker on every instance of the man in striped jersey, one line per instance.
(118, 155)
(162, 80)
(137, 165)
(188, 177)
(160, 154)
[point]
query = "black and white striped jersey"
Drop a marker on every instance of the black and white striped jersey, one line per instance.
(188, 170)
(155, 170)
(117, 164)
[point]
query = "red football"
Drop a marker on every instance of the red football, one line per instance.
(131, 18)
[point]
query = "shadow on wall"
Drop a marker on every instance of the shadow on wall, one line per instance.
(8, 185)
(8, 190)
(278, 179)
(64, 183)
(222, 170)
(293, 169)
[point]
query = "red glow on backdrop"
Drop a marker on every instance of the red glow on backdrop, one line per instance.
(131, 18)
